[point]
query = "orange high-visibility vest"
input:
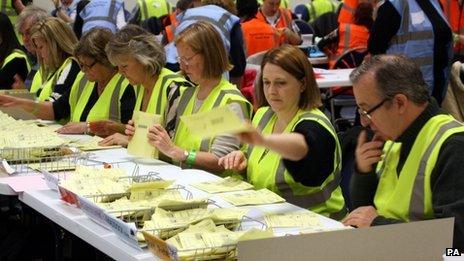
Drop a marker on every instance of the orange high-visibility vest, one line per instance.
(170, 28)
(259, 36)
(350, 36)
(347, 11)
(455, 15)
(285, 20)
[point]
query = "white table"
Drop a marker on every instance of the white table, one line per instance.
(329, 78)
(47, 203)
(336, 77)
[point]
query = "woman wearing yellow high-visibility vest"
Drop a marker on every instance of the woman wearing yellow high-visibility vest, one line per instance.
(54, 42)
(100, 95)
(141, 59)
(203, 58)
(293, 148)
(13, 60)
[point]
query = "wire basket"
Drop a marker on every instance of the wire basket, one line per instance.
(52, 159)
(135, 215)
(223, 252)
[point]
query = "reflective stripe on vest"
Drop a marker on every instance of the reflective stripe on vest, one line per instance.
(216, 98)
(115, 113)
(49, 85)
(417, 45)
(16, 54)
(165, 78)
(36, 83)
(427, 143)
(98, 111)
(306, 197)
(416, 209)
(101, 13)
(222, 20)
(347, 11)
(188, 95)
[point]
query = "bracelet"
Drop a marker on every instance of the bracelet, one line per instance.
(191, 158)
(87, 128)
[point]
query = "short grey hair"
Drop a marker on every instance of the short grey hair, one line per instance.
(134, 41)
(30, 12)
(394, 74)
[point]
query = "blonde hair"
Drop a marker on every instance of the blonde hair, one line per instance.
(60, 41)
(203, 38)
(136, 42)
(295, 62)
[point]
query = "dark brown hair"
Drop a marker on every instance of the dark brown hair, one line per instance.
(294, 61)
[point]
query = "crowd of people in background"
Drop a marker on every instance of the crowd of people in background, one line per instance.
(92, 64)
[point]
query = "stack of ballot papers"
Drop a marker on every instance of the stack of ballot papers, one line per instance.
(206, 241)
(90, 181)
(224, 185)
(167, 223)
(252, 197)
(91, 144)
(22, 134)
(302, 219)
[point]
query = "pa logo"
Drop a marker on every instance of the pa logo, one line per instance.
(452, 252)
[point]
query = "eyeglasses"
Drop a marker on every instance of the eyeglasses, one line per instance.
(367, 114)
(87, 67)
(185, 60)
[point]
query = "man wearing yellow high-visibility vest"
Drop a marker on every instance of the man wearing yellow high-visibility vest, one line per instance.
(413, 167)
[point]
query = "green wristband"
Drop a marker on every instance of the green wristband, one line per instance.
(191, 158)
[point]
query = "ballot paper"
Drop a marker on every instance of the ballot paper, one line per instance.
(138, 145)
(163, 219)
(91, 144)
(219, 120)
(252, 197)
(90, 181)
(303, 219)
(224, 185)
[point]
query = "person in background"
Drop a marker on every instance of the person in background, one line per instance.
(107, 14)
(145, 9)
(454, 12)
(65, 9)
(29, 16)
(12, 8)
(54, 43)
(13, 60)
(281, 19)
(258, 35)
(315, 8)
(293, 148)
(141, 59)
(426, 38)
(203, 58)
(225, 22)
(98, 96)
(283, 4)
(349, 35)
(412, 168)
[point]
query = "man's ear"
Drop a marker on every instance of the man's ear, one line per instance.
(401, 102)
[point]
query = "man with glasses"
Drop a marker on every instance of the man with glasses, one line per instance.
(413, 167)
